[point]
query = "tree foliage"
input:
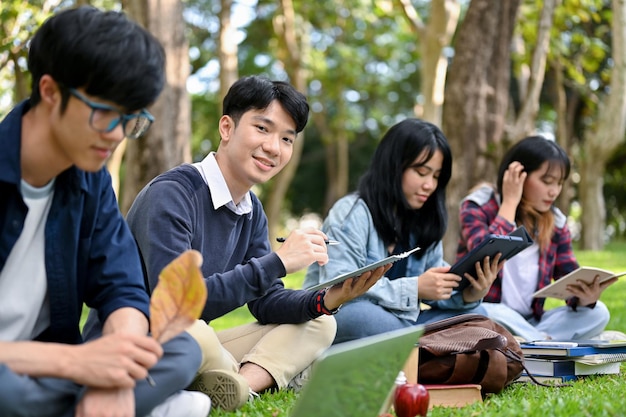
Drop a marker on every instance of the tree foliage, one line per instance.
(362, 61)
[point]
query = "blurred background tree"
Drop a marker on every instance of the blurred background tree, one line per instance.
(488, 72)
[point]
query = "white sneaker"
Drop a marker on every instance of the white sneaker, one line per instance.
(611, 335)
(183, 404)
(298, 381)
(228, 390)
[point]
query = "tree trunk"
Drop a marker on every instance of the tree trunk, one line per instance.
(563, 131)
(337, 153)
(592, 202)
(167, 143)
(229, 64)
(114, 165)
(285, 26)
(433, 38)
(525, 122)
(21, 87)
(599, 145)
(476, 101)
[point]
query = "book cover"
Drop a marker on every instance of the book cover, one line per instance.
(584, 273)
(457, 395)
(560, 349)
(564, 367)
(341, 278)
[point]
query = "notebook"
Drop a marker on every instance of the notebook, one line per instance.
(354, 378)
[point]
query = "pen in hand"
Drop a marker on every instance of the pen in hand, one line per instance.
(327, 241)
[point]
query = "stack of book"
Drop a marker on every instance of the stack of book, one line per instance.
(562, 361)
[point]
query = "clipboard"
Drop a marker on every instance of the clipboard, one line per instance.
(509, 245)
(341, 278)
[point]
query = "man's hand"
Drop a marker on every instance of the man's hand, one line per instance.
(353, 287)
(113, 361)
(485, 275)
(589, 293)
(99, 402)
(302, 248)
(437, 283)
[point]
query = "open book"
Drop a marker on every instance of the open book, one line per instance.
(341, 278)
(584, 273)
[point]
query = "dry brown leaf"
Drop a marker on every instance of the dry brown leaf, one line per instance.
(179, 297)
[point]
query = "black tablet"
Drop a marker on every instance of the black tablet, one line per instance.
(509, 245)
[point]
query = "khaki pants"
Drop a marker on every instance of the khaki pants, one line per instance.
(283, 350)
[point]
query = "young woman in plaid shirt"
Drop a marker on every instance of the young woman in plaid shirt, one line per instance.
(530, 178)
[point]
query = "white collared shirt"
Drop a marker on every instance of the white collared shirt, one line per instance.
(220, 194)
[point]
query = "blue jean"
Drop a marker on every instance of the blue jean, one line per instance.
(23, 396)
(362, 318)
(560, 323)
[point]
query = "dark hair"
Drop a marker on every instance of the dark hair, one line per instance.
(256, 92)
(532, 152)
(381, 185)
(104, 52)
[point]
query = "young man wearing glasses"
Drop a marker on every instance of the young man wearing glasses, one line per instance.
(64, 242)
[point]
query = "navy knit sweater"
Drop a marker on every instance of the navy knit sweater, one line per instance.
(175, 213)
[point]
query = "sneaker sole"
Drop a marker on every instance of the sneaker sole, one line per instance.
(227, 390)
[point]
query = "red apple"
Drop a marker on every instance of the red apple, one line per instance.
(411, 400)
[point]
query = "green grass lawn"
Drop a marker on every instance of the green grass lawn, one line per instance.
(594, 396)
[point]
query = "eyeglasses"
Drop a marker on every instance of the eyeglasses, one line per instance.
(105, 118)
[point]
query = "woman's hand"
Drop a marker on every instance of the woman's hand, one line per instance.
(485, 276)
(512, 190)
(437, 284)
(589, 293)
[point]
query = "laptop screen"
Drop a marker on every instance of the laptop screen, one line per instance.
(354, 378)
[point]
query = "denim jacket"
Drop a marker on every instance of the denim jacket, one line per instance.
(350, 222)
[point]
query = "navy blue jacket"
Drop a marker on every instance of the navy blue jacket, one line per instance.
(90, 254)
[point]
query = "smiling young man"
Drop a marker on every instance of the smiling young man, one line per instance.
(64, 242)
(208, 206)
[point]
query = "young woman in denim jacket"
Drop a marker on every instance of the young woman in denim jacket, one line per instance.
(399, 204)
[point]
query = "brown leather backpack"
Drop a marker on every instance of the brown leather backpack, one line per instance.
(469, 349)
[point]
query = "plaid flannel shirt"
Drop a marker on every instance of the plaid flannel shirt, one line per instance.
(479, 218)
